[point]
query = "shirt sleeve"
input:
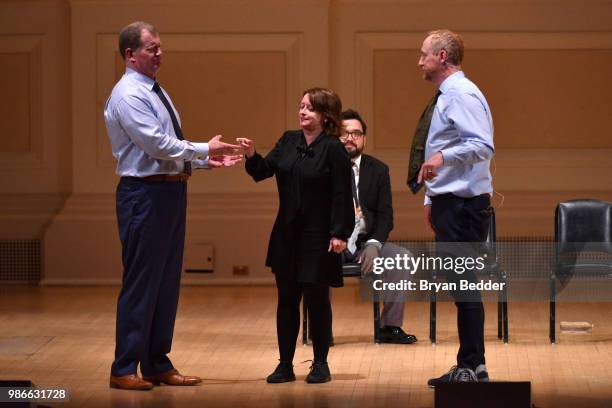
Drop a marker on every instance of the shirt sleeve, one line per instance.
(144, 129)
(259, 167)
(473, 124)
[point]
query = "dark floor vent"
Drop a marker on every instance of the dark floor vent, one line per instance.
(20, 261)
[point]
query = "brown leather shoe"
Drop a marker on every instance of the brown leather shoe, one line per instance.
(130, 382)
(173, 377)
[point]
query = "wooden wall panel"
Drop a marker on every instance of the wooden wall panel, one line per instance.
(15, 104)
(21, 106)
(35, 155)
(231, 93)
(546, 99)
(35, 149)
(539, 98)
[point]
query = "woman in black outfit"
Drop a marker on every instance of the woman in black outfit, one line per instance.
(314, 220)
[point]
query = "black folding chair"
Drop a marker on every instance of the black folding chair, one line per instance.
(579, 223)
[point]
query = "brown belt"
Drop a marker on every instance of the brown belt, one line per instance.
(160, 178)
(447, 196)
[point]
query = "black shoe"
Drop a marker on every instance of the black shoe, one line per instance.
(283, 373)
(319, 373)
(455, 374)
(395, 335)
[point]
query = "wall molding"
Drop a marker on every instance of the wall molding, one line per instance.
(30, 45)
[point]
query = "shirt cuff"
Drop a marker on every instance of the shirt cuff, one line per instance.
(200, 163)
(201, 150)
(375, 243)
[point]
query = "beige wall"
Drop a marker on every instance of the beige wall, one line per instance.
(238, 68)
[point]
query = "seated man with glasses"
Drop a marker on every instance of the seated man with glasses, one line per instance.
(373, 222)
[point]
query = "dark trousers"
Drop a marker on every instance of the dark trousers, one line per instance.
(457, 219)
(151, 218)
(288, 316)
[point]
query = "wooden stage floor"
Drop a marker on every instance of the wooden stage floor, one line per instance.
(64, 337)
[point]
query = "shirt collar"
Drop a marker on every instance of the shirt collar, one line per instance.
(450, 80)
(137, 76)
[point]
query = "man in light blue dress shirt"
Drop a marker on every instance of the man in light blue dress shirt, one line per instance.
(458, 183)
(154, 162)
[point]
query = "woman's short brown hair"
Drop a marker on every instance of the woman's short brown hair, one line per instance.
(328, 104)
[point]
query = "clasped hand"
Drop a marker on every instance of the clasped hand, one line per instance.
(336, 245)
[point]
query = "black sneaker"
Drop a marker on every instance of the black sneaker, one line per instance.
(395, 335)
(283, 373)
(319, 373)
(481, 373)
(455, 374)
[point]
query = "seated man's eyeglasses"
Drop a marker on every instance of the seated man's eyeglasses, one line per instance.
(355, 134)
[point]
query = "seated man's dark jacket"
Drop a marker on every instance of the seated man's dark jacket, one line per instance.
(375, 199)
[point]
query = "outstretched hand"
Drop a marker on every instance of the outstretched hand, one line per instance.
(215, 162)
(216, 147)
